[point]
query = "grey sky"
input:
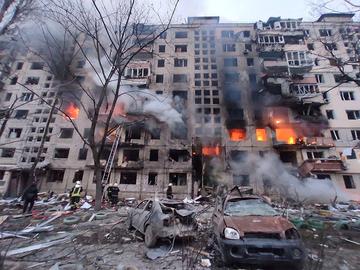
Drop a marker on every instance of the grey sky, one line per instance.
(251, 10)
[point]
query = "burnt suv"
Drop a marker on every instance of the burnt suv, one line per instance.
(248, 231)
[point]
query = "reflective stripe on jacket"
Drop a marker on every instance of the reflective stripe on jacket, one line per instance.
(76, 192)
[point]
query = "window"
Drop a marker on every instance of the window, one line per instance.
(310, 46)
(248, 47)
(323, 176)
(335, 134)
(179, 78)
(21, 114)
(330, 46)
(230, 62)
(180, 62)
(78, 175)
(349, 182)
(180, 48)
(154, 155)
(8, 96)
(314, 154)
(13, 80)
(197, 100)
(130, 155)
(152, 179)
(61, 152)
(177, 179)
(181, 34)
(19, 65)
(56, 176)
(80, 64)
(7, 152)
(246, 34)
(128, 178)
(352, 155)
(66, 133)
(319, 78)
(37, 65)
(241, 179)
(155, 134)
(159, 78)
(229, 47)
(339, 78)
(347, 95)
(14, 133)
(227, 34)
(82, 154)
(161, 63)
(330, 114)
(355, 133)
(250, 61)
(161, 48)
(325, 32)
(353, 114)
(32, 80)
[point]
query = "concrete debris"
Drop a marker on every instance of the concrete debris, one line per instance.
(2, 219)
(205, 263)
(154, 253)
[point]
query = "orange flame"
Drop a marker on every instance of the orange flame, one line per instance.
(211, 150)
(287, 135)
(237, 134)
(72, 111)
(120, 109)
(261, 134)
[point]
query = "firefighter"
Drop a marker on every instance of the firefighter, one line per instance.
(169, 193)
(75, 194)
(29, 197)
(113, 193)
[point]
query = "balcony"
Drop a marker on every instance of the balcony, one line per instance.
(136, 165)
(317, 142)
(137, 73)
(312, 166)
(275, 67)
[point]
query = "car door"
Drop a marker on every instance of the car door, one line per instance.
(135, 218)
(217, 215)
(145, 216)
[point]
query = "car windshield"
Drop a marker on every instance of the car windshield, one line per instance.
(249, 207)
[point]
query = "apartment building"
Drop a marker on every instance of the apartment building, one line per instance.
(242, 89)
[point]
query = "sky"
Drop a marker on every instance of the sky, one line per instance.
(252, 10)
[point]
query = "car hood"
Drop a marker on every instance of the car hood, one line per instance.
(258, 223)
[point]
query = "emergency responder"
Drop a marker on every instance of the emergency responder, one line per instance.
(75, 194)
(29, 197)
(113, 194)
(169, 193)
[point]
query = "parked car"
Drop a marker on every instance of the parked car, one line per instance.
(162, 219)
(248, 231)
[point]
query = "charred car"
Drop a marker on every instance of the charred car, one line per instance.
(248, 231)
(162, 219)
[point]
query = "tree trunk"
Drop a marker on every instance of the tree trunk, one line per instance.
(98, 190)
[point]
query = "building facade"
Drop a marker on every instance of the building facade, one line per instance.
(243, 89)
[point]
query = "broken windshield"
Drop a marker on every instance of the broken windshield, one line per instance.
(253, 207)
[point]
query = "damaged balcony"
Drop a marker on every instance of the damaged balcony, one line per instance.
(321, 165)
(298, 59)
(178, 158)
(131, 160)
(137, 73)
(294, 142)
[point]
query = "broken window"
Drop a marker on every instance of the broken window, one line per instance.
(241, 180)
(14, 133)
(325, 32)
(314, 154)
(61, 152)
(132, 133)
(323, 176)
(181, 34)
(130, 155)
(288, 157)
(180, 48)
(37, 65)
(128, 178)
(19, 65)
(178, 78)
(155, 134)
(177, 179)
(32, 80)
(238, 155)
(78, 176)
(179, 134)
(105, 153)
(349, 182)
(152, 179)
(330, 114)
(56, 176)
(250, 62)
(13, 80)
(154, 155)
(82, 153)
(66, 133)
(21, 114)
(179, 155)
(310, 46)
(178, 62)
(7, 152)
(159, 78)
(330, 46)
(161, 63)
(8, 97)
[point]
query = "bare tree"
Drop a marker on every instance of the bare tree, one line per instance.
(107, 35)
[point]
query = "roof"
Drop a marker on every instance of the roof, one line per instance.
(334, 15)
(204, 19)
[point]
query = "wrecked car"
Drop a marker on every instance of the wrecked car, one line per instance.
(162, 219)
(248, 231)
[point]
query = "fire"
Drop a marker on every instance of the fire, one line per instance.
(211, 150)
(287, 135)
(120, 109)
(261, 134)
(237, 134)
(72, 111)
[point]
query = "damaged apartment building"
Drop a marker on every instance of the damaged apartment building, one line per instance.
(242, 88)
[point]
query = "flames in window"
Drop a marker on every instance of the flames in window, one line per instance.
(237, 134)
(286, 135)
(261, 134)
(72, 110)
(211, 150)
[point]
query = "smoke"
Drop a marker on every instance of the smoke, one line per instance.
(280, 179)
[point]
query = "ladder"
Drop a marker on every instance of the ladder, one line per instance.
(110, 161)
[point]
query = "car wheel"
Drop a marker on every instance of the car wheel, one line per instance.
(150, 239)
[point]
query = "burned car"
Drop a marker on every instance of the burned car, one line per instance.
(162, 219)
(248, 231)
